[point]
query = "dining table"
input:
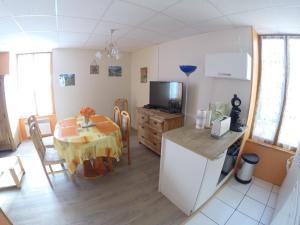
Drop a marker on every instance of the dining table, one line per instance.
(93, 146)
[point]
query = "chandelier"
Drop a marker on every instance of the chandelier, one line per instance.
(111, 50)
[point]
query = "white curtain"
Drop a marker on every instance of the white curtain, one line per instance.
(289, 133)
(34, 84)
(276, 122)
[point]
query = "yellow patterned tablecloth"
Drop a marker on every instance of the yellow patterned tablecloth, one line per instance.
(76, 144)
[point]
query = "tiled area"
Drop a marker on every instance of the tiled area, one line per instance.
(236, 204)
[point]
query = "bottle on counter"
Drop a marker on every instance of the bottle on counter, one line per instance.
(208, 119)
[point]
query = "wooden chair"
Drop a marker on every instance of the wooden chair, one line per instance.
(4, 220)
(117, 116)
(125, 129)
(122, 103)
(47, 140)
(48, 156)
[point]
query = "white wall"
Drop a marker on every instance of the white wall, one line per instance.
(192, 50)
(97, 91)
(147, 57)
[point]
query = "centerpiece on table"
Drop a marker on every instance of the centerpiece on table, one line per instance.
(87, 112)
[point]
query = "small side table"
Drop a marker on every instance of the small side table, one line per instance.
(11, 171)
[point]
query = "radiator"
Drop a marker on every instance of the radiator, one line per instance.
(44, 125)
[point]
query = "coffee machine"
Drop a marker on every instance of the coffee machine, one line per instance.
(235, 124)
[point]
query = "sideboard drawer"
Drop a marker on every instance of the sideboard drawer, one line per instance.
(154, 134)
(156, 125)
(142, 118)
(156, 145)
(143, 131)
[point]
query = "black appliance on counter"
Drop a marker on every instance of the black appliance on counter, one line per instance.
(235, 124)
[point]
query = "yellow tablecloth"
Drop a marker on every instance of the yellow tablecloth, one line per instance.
(76, 144)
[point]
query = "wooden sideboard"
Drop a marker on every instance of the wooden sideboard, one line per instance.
(152, 123)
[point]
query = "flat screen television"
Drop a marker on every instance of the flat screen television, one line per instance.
(166, 95)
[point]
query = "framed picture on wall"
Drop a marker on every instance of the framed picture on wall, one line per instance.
(115, 71)
(94, 69)
(144, 74)
(67, 80)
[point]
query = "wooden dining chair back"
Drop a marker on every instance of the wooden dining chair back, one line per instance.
(31, 119)
(47, 140)
(125, 128)
(122, 103)
(4, 220)
(48, 156)
(37, 140)
(117, 116)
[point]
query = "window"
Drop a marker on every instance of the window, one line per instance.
(278, 109)
(34, 84)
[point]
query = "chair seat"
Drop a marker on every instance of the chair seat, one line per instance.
(48, 141)
(51, 156)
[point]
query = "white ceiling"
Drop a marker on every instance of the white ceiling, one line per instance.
(45, 24)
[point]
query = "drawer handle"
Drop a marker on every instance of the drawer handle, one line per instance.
(143, 137)
(143, 127)
(225, 74)
(155, 123)
(154, 144)
(143, 117)
(154, 133)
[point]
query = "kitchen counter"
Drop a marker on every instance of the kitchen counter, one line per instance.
(201, 142)
(191, 165)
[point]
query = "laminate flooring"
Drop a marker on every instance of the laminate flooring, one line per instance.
(128, 195)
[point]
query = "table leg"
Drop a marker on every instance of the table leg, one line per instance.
(15, 177)
(99, 166)
(110, 164)
(88, 169)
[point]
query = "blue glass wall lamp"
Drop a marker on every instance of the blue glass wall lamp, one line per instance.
(188, 70)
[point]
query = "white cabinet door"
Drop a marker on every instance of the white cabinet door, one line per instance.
(210, 180)
(181, 174)
(228, 65)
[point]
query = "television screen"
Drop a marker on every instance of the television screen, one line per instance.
(166, 95)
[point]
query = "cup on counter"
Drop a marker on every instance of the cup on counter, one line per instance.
(201, 119)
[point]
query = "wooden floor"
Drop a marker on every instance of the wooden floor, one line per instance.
(129, 195)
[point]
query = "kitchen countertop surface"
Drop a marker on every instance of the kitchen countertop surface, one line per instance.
(201, 142)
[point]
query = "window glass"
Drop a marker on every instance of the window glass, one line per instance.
(34, 84)
(271, 90)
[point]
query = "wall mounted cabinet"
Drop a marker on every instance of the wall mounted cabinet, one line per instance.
(228, 66)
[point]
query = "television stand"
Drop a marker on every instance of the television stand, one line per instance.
(151, 123)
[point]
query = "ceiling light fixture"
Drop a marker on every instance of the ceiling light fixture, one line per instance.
(111, 50)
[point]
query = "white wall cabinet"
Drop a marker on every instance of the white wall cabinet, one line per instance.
(228, 66)
(188, 179)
